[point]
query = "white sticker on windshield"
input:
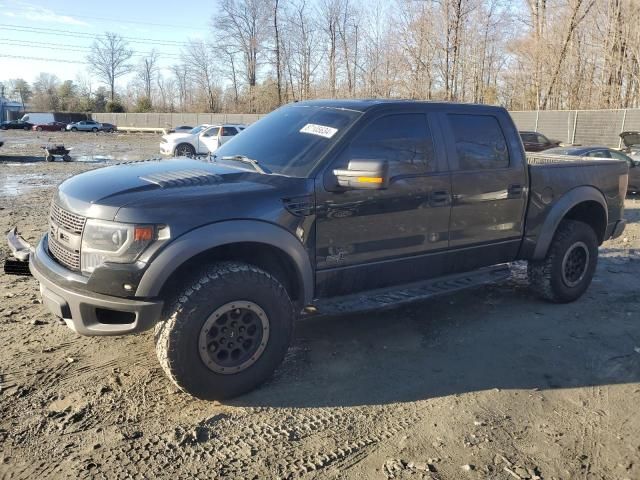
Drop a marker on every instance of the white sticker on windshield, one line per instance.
(320, 130)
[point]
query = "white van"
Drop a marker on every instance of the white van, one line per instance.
(38, 118)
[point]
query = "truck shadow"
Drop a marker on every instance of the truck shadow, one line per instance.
(497, 337)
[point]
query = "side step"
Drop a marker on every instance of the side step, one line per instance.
(391, 297)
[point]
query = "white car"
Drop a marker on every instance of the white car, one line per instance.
(198, 141)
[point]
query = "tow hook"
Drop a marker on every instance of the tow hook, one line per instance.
(18, 262)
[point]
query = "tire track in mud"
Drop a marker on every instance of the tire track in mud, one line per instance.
(243, 445)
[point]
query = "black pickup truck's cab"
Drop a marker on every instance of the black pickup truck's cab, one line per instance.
(318, 201)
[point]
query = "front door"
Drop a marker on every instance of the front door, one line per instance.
(208, 140)
(373, 238)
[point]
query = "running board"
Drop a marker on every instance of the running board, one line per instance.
(391, 297)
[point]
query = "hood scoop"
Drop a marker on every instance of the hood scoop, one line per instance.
(182, 178)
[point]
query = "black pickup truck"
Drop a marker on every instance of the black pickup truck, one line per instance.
(321, 207)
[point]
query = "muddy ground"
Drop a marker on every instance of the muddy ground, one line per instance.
(488, 383)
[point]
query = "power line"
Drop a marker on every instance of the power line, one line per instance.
(73, 48)
(64, 33)
(119, 20)
(26, 57)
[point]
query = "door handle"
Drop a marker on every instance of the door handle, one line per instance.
(439, 198)
(514, 191)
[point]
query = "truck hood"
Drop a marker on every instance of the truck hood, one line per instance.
(152, 190)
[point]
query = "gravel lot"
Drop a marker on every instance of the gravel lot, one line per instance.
(488, 383)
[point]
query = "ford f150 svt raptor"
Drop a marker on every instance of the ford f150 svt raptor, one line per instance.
(321, 206)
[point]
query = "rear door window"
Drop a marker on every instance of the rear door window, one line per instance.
(479, 142)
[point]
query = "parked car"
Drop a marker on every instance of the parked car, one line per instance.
(199, 140)
(85, 126)
(598, 151)
(15, 125)
(631, 142)
(321, 206)
(50, 127)
(536, 142)
(109, 127)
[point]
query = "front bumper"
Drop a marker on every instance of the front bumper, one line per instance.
(167, 148)
(86, 312)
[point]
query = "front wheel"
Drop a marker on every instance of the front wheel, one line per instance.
(38, 129)
(226, 331)
(74, 129)
(567, 270)
(94, 130)
(26, 128)
(185, 150)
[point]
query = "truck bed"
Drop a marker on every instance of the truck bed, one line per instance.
(553, 176)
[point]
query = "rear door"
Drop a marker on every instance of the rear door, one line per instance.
(489, 185)
(227, 134)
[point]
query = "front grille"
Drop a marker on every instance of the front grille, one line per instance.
(68, 258)
(67, 220)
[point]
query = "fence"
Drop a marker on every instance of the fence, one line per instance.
(165, 120)
(581, 127)
(569, 126)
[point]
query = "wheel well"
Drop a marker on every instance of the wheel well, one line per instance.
(591, 213)
(266, 257)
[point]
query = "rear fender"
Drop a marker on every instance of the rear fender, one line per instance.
(559, 211)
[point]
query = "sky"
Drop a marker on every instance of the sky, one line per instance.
(55, 36)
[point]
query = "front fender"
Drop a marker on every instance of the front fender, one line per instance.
(559, 210)
(214, 235)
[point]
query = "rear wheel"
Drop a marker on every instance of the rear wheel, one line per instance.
(49, 158)
(226, 331)
(39, 129)
(185, 150)
(94, 130)
(25, 128)
(74, 129)
(66, 158)
(567, 270)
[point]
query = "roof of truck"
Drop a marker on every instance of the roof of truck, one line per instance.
(364, 104)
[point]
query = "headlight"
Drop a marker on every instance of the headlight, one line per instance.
(104, 241)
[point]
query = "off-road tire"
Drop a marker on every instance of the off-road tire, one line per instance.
(185, 150)
(177, 334)
(546, 276)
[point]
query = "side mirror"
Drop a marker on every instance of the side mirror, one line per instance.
(364, 175)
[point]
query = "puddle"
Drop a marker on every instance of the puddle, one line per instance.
(13, 185)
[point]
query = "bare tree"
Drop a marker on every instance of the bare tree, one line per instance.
(200, 59)
(147, 72)
(243, 25)
(109, 59)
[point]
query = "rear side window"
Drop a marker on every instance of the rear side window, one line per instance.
(528, 137)
(404, 140)
(228, 131)
(479, 141)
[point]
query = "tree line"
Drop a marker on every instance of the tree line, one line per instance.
(527, 54)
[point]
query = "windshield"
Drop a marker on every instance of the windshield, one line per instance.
(290, 140)
(197, 129)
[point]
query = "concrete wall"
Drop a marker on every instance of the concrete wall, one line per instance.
(165, 120)
(582, 127)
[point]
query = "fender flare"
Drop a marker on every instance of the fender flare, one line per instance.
(214, 235)
(559, 211)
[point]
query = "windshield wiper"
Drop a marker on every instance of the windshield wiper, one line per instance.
(250, 161)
